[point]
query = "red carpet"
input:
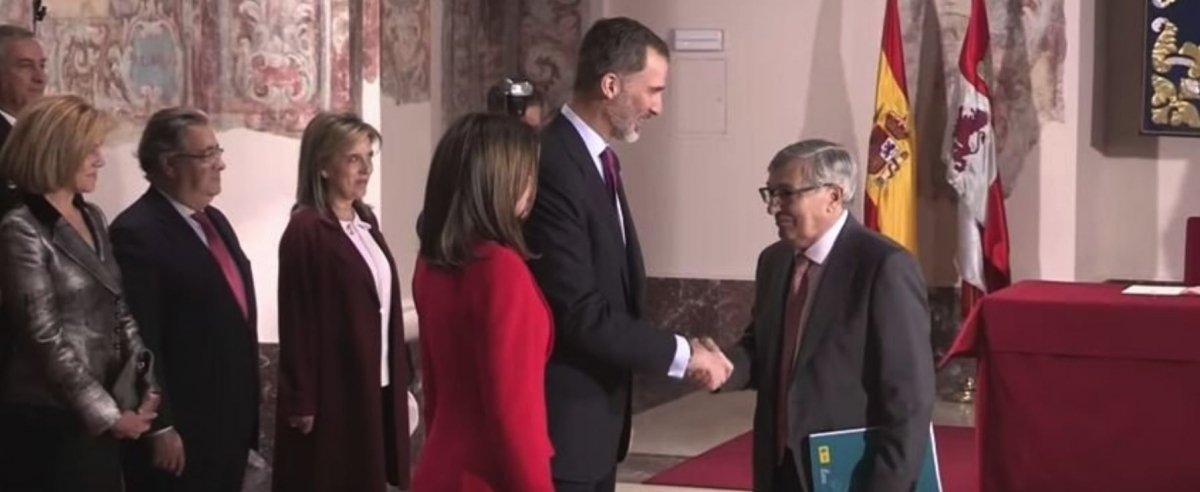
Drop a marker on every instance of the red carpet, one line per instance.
(728, 466)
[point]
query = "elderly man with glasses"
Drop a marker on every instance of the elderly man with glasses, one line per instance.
(840, 333)
(190, 288)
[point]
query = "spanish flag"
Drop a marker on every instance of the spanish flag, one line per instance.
(892, 151)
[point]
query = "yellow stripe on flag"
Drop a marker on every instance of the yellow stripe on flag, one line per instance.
(891, 161)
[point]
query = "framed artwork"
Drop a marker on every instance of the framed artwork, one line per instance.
(1171, 68)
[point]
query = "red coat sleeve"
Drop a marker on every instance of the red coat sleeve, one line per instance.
(512, 351)
(299, 347)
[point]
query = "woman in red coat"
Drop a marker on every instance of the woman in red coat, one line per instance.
(485, 328)
(342, 420)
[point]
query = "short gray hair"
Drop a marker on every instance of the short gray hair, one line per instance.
(822, 162)
(164, 136)
(9, 32)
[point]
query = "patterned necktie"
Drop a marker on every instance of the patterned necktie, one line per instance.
(797, 294)
(220, 252)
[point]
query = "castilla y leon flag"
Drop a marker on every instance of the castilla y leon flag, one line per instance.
(892, 151)
(971, 169)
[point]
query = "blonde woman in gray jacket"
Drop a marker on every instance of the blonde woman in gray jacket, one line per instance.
(76, 377)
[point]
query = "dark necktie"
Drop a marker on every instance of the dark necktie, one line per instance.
(797, 294)
(220, 252)
(612, 172)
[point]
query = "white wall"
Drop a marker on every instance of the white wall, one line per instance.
(410, 132)
(790, 70)
(1084, 207)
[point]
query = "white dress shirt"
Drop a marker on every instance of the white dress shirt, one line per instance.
(359, 233)
(596, 144)
(12, 120)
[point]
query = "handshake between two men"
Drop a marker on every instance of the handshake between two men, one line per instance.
(708, 367)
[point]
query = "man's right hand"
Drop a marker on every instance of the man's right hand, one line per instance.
(168, 453)
(303, 423)
(708, 366)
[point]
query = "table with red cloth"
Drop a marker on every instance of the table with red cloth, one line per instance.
(1083, 388)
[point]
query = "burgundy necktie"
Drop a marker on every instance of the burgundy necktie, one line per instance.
(221, 253)
(797, 293)
(612, 171)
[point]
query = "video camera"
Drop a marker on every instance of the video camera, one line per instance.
(510, 96)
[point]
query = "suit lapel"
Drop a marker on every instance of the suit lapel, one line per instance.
(68, 241)
(181, 231)
(636, 271)
(831, 293)
(772, 311)
(239, 259)
(598, 193)
(181, 235)
(362, 270)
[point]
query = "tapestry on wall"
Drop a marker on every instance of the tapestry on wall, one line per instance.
(407, 49)
(267, 65)
(1028, 53)
(485, 41)
(16, 12)
(1171, 69)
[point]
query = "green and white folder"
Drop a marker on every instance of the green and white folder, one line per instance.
(837, 458)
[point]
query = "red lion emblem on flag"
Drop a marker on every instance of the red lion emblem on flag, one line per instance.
(969, 136)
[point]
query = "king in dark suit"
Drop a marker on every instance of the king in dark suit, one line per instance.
(590, 267)
(189, 286)
(840, 332)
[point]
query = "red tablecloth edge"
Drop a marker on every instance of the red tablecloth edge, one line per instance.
(966, 344)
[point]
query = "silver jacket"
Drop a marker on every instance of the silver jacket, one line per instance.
(71, 332)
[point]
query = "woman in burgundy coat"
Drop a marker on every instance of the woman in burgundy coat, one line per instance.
(485, 328)
(342, 420)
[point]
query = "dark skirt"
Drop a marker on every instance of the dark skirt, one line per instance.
(47, 449)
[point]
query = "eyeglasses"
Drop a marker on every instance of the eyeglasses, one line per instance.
(210, 155)
(769, 195)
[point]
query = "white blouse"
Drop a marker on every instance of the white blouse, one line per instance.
(359, 233)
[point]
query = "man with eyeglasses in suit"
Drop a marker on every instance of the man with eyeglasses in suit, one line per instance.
(840, 333)
(189, 286)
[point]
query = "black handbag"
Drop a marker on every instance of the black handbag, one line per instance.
(131, 383)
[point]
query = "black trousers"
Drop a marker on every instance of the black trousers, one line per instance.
(207, 468)
(47, 449)
(787, 477)
(389, 430)
(606, 484)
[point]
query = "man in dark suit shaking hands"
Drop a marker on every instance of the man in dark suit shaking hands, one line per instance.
(840, 332)
(590, 267)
